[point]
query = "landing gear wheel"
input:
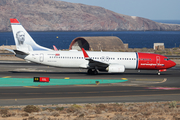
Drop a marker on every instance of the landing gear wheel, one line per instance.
(95, 72)
(92, 72)
(89, 72)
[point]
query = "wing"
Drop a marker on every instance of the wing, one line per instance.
(94, 63)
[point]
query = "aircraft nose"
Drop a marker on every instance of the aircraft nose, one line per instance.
(173, 64)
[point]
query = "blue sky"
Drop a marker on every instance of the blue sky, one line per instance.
(151, 9)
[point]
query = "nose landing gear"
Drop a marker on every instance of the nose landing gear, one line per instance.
(162, 70)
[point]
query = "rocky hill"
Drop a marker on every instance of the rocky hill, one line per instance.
(51, 15)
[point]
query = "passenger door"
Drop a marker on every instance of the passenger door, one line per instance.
(157, 60)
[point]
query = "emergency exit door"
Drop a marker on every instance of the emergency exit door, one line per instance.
(41, 57)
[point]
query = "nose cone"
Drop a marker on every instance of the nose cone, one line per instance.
(172, 63)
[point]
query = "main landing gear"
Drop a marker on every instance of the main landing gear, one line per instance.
(92, 72)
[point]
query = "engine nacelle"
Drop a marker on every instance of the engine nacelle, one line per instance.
(115, 68)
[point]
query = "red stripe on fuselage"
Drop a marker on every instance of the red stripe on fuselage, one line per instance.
(151, 61)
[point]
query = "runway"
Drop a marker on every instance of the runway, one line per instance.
(143, 86)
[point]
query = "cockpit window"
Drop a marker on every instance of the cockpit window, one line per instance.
(166, 59)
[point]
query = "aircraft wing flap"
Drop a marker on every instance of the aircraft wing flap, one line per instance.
(97, 63)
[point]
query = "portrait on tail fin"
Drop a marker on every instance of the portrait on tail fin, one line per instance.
(20, 35)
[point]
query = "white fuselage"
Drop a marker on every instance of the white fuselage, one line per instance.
(75, 59)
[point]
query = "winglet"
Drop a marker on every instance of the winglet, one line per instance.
(85, 54)
(55, 48)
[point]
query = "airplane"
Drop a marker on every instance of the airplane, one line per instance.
(93, 61)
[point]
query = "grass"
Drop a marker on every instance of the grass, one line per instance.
(129, 111)
(173, 104)
(31, 108)
(59, 108)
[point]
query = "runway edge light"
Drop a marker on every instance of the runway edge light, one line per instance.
(41, 79)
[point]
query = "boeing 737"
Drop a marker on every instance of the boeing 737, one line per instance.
(112, 62)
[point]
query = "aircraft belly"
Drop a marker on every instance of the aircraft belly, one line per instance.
(129, 64)
(70, 63)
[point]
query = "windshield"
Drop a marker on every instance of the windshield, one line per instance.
(166, 59)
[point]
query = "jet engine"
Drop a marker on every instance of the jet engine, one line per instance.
(115, 68)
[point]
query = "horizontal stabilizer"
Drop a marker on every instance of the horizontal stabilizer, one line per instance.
(10, 50)
(20, 52)
(17, 52)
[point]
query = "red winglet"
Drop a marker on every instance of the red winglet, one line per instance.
(55, 48)
(85, 54)
(14, 20)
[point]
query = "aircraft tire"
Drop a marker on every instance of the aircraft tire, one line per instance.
(92, 72)
(95, 72)
(89, 72)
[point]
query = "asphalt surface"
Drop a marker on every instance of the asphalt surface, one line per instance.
(142, 86)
